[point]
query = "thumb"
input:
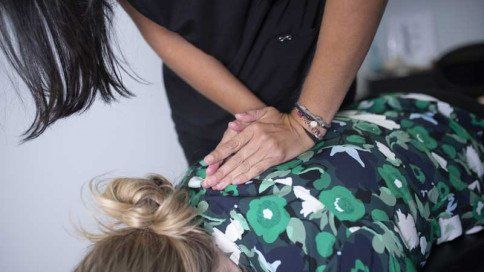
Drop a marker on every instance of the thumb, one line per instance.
(251, 115)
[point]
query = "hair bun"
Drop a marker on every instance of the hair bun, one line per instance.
(152, 203)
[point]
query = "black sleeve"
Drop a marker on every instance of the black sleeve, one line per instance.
(153, 10)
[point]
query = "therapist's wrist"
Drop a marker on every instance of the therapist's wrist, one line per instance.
(302, 130)
(315, 133)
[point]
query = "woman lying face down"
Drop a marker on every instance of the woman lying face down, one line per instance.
(153, 228)
(393, 176)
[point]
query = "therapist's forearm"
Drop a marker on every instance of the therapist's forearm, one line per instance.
(347, 30)
(201, 71)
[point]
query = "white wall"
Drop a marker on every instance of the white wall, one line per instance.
(40, 181)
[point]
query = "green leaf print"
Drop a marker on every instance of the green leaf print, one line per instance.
(296, 232)
(324, 243)
(422, 140)
(360, 267)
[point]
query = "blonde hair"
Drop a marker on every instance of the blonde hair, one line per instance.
(152, 228)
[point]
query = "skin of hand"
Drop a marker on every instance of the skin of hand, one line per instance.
(268, 138)
(233, 129)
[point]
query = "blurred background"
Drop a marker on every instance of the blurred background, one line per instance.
(41, 180)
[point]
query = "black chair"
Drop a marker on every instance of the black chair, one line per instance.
(464, 254)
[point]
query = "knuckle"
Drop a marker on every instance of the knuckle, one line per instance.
(245, 166)
(233, 144)
(272, 143)
(278, 155)
(238, 159)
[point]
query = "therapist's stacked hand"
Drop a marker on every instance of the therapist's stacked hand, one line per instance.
(254, 142)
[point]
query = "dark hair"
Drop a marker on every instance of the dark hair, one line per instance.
(61, 50)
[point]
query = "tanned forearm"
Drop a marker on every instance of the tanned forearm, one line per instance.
(200, 70)
(347, 30)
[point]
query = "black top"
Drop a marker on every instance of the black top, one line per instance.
(267, 44)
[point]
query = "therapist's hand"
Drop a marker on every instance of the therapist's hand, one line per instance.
(233, 128)
(268, 138)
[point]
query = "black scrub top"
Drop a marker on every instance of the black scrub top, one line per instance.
(267, 44)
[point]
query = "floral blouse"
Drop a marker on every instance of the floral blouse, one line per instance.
(395, 175)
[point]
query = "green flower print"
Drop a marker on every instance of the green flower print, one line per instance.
(378, 105)
(268, 217)
(324, 243)
(449, 150)
(316, 213)
(343, 204)
(423, 140)
(455, 178)
(406, 123)
(417, 172)
(478, 209)
(459, 130)
(360, 267)
(289, 165)
(231, 190)
(321, 268)
(357, 139)
(394, 180)
(368, 127)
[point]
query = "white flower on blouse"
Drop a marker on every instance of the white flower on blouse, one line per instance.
(225, 244)
(474, 162)
(428, 116)
(310, 204)
(407, 230)
(474, 229)
(377, 119)
(444, 108)
(271, 267)
(423, 245)
(351, 150)
(234, 230)
(475, 186)
(386, 151)
(450, 228)
(195, 182)
(285, 181)
(441, 161)
(419, 96)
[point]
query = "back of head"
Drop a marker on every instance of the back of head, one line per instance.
(153, 228)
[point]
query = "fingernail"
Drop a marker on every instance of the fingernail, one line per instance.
(209, 171)
(232, 125)
(208, 159)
